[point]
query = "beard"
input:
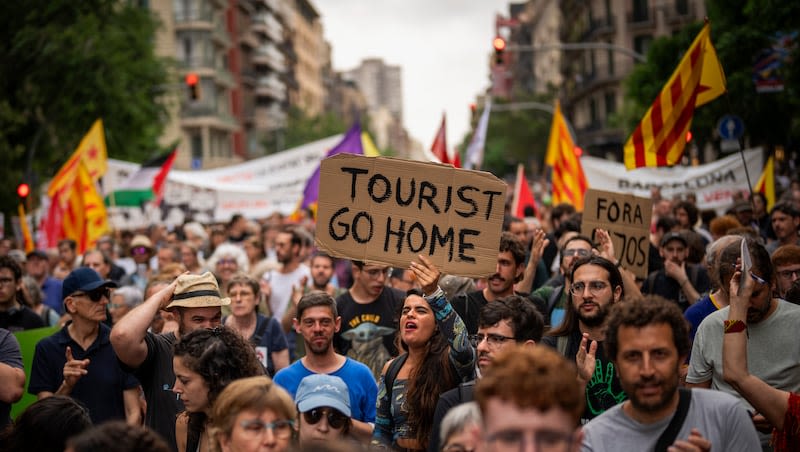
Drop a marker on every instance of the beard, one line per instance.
(669, 386)
(315, 349)
(594, 319)
(757, 315)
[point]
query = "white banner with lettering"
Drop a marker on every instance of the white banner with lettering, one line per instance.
(256, 188)
(713, 183)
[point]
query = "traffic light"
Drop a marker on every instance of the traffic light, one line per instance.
(23, 190)
(499, 47)
(193, 82)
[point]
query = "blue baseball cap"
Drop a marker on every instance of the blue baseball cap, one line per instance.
(83, 279)
(319, 390)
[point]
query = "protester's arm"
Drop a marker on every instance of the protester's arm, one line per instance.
(128, 334)
(450, 324)
(74, 369)
(678, 273)
(133, 409)
(585, 360)
(605, 249)
(11, 370)
(538, 244)
(291, 309)
(382, 434)
(770, 402)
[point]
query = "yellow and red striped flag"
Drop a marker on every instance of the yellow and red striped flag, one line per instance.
(569, 182)
(659, 139)
(26, 231)
(766, 183)
(91, 151)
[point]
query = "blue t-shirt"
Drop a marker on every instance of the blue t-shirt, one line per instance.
(697, 312)
(360, 383)
(100, 390)
(271, 339)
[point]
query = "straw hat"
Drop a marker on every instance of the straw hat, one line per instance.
(197, 291)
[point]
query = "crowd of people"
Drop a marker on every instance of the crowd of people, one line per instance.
(244, 336)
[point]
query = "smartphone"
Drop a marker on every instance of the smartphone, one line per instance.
(747, 263)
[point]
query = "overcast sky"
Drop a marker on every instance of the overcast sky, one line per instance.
(443, 47)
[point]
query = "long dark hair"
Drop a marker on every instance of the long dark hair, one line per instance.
(433, 376)
(219, 356)
(570, 323)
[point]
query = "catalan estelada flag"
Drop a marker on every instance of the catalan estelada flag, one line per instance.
(659, 139)
(568, 180)
(766, 183)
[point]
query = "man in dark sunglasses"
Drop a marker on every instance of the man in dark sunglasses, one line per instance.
(323, 404)
(79, 361)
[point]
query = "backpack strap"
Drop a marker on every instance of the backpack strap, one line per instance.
(260, 331)
(671, 432)
(552, 300)
(462, 391)
(393, 370)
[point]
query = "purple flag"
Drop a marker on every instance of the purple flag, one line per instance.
(350, 144)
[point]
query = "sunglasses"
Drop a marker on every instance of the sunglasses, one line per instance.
(95, 295)
(335, 419)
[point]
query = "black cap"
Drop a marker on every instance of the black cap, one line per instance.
(37, 253)
(669, 236)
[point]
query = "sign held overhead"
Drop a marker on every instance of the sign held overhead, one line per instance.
(627, 220)
(386, 210)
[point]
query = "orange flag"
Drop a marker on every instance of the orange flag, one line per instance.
(659, 138)
(569, 181)
(26, 231)
(76, 208)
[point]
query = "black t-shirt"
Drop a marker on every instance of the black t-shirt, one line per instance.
(157, 378)
(463, 393)
(369, 330)
(20, 318)
(603, 390)
(658, 283)
(468, 306)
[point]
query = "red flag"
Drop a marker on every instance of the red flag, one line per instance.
(161, 177)
(522, 195)
(439, 146)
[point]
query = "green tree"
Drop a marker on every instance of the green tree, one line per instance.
(514, 137)
(740, 29)
(301, 129)
(64, 64)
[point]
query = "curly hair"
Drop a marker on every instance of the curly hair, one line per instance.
(639, 312)
(119, 436)
(526, 322)
(220, 356)
(433, 376)
(509, 242)
(532, 377)
(45, 425)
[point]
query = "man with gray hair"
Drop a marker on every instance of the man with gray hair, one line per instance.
(122, 301)
(457, 431)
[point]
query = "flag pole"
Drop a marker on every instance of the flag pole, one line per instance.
(741, 149)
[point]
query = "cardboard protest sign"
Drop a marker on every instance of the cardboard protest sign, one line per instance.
(627, 220)
(389, 211)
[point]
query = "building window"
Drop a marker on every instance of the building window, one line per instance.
(611, 103)
(197, 146)
(640, 11)
(641, 44)
(610, 62)
(593, 119)
(187, 51)
(682, 7)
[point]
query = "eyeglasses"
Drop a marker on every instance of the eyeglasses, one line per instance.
(375, 273)
(336, 419)
(256, 427)
(595, 287)
(784, 274)
(494, 340)
(139, 250)
(580, 252)
(95, 295)
(6, 280)
(544, 440)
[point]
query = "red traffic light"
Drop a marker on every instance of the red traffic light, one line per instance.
(23, 190)
(499, 44)
(192, 79)
(688, 136)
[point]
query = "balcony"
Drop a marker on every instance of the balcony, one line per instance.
(271, 87)
(641, 19)
(265, 24)
(249, 39)
(270, 56)
(189, 16)
(599, 28)
(269, 118)
(220, 35)
(197, 62)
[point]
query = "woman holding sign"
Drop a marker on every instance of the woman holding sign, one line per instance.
(437, 358)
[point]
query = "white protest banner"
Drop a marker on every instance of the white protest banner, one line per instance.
(389, 211)
(256, 188)
(714, 183)
(627, 220)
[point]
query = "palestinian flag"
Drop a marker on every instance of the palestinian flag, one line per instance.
(147, 184)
